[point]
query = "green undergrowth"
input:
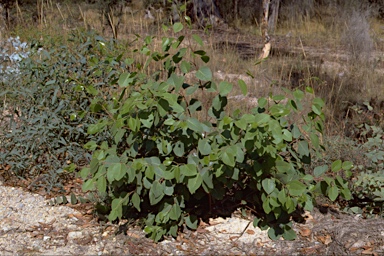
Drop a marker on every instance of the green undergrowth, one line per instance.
(49, 102)
(171, 167)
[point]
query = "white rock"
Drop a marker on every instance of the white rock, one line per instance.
(75, 235)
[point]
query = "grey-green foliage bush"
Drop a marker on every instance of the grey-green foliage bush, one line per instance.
(368, 186)
(51, 98)
(171, 166)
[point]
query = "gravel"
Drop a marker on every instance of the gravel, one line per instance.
(29, 225)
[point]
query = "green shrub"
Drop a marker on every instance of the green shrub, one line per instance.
(368, 185)
(168, 163)
(50, 98)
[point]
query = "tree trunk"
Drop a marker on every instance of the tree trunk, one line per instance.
(205, 12)
(275, 4)
(235, 9)
(264, 30)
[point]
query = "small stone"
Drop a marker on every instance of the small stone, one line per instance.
(46, 238)
(75, 235)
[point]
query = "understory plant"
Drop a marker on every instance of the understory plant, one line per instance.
(368, 185)
(47, 104)
(170, 163)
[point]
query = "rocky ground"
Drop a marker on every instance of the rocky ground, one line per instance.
(30, 226)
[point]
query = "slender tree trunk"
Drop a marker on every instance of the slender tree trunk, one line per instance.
(275, 4)
(235, 9)
(205, 12)
(264, 30)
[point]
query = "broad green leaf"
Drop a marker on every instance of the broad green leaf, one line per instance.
(228, 158)
(119, 135)
(225, 88)
(111, 159)
(176, 81)
(303, 149)
(73, 199)
(204, 147)
(256, 222)
(346, 194)
(319, 170)
(268, 185)
(309, 90)
(296, 188)
(266, 206)
(125, 80)
(287, 135)
(278, 97)
(198, 39)
(273, 202)
(188, 170)
(177, 27)
(116, 172)
(241, 123)
(235, 175)
(101, 184)
(336, 166)
(117, 209)
(191, 90)
(195, 125)
(290, 205)
(298, 94)
(194, 183)
(347, 165)
(262, 102)
(91, 145)
(333, 192)
(88, 185)
(283, 167)
(289, 234)
(178, 149)
(92, 90)
(168, 190)
(279, 110)
(262, 118)
(185, 67)
(281, 196)
(205, 58)
(175, 212)
(315, 140)
(136, 201)
(240, 155)
(296, 132)
(319, 102)
(133, 124)
(95, 128)
(156, 193)
(316, 109)
(191, 221)
(243, 87)
(204, 74)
